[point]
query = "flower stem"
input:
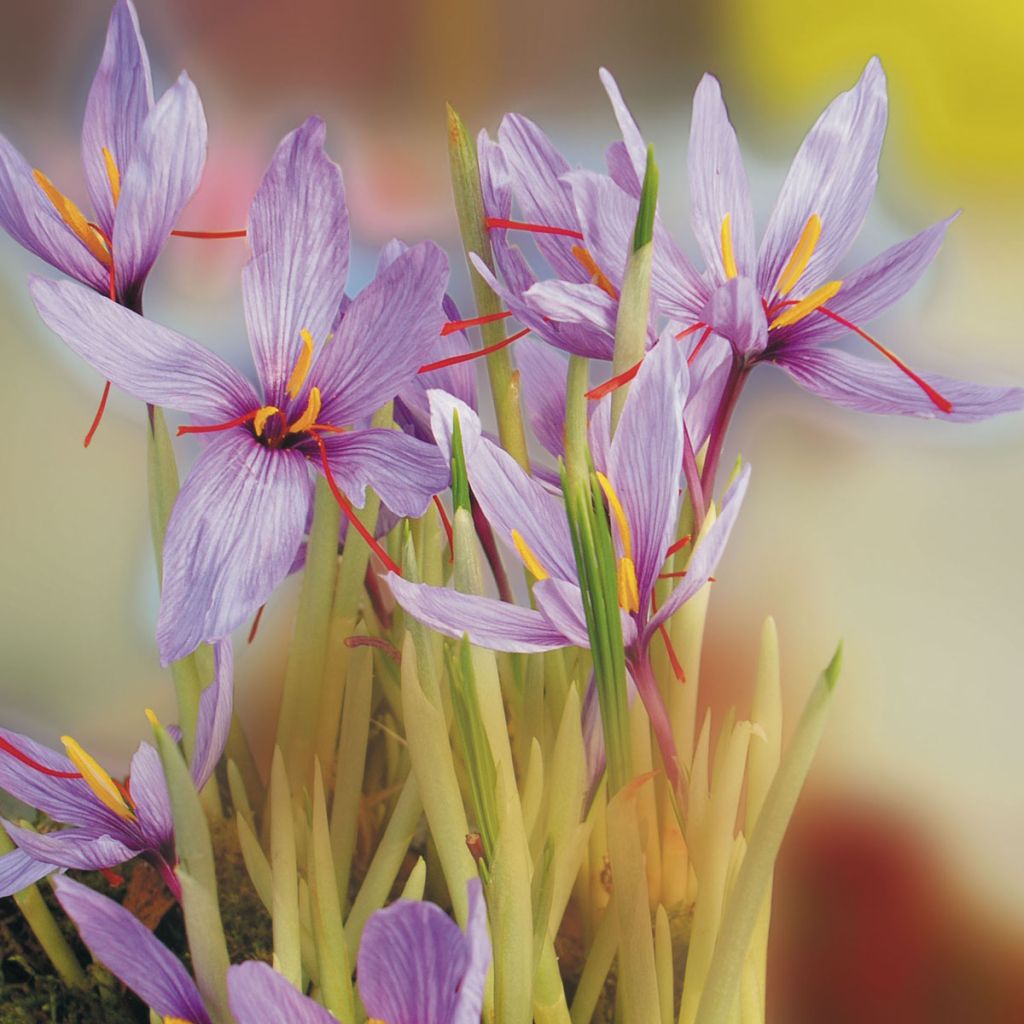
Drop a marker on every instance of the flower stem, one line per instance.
(719, 429)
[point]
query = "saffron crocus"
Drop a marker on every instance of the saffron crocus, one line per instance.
(142, 162)
(641, 484)
(240, 517)
(108, 823)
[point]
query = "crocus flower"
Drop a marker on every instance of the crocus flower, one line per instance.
(241, 514)
(641, 484)
(108, 823)
(142, 163)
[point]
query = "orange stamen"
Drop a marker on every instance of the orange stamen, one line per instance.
(447, 524)
(210, 234)
(597, 275)
(614, 383)
(459, 325)
(540, 229)
(465, 357)
(32, 763)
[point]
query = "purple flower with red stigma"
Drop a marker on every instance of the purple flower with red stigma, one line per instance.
(108, 823)
(323, 367)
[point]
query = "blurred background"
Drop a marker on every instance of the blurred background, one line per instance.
(902, 894)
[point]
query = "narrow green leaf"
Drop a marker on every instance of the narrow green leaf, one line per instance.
(460, 479)
(284, 868)
(644, 231)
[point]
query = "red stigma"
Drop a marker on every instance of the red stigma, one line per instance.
(113, 878)
(700, 344)
(678, 546)
(614, 383)
(32, 763)
(376, 642)
(672, 575)
(99, 415)
(212, 428)
(210, 234)
(539, 229)
(255, 624)
(466, 357)
(459, 325)
(447, 524)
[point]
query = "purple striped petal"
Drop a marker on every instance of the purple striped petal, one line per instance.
(832, 175)
(574, 303)
(161, 178)
(148, 788)
(561, 603)
(299, 233)
(150, 362)
(119, 100)
(735, 312)
(469, 1002)
(874, 386)
(718, 184)
(69, 849)
(232, 536)
(633, 141)
(18, 871)
(543, 373)
(259, 995)
(131, 951)
(214, 720)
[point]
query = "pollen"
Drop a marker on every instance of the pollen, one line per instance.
(805, 306)
(728, 255)
(301, 369)
(800, 256)
(530, 560)
(98, 780)
(308, 418)
(597, 275)
(75, 219)
(259, 421)
(113, 174)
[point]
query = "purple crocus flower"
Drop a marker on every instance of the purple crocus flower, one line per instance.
(240, 517)
(108, 823)
(142, 162)
(641, 482)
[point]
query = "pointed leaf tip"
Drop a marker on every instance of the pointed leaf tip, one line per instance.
(834, 667)
(648, 204)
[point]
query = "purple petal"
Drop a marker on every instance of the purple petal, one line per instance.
(386, 335)
(411, 961)
(18, 871)
(620, 169)
(214, 721)
(119, 100)
(575, 303)
(543, 374)
(162, 177)
(69, 849)
(631, 137)
(231, 539)
(708, 376)
(129, 949)
(299, 233)
(150, 362)
(149, 794)
(488, 623)
(833, 175)
(718, 184)
(561, 603)
(259, 995)
(735, 312)
(405, 473)
(469, 1001)
(874, 386)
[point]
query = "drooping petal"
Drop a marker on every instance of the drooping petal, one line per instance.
(214, 720)
(386, 335)
(575, 303)
(411, 961)
(470, 999)
(718, 185)
(405, 473)
(543, 374)
(70, 849)
(631, 137)
(259, 995)
(876, 386)
(231, 539)
(18, 871)
(735, 312)
(832, 175)
(708, 376)
(561, 603)
(148, 789)
(148, 361)
(159, 181)
(119, 100)
(299, 233)
(131, 951)
(488, 623)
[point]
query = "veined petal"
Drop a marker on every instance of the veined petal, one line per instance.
(259, 995)
(214, 720)
(131, 951)
(718, 184)
(149, 794)
(832, 175)
(561, 603)
(631, 137)
(18, 870)
(405, 473)
(488, 623)
(735, 312)
(386, 335)
(119, 100)
(150, 362)
(876, 386)
(543, 373)
(161, 178)
(299, 233)
(575, 303)
(469, 1001)
(70, 849)
(231, 539)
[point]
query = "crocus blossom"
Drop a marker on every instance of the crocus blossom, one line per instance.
(108, 823)
(142, 162)
(323, 368)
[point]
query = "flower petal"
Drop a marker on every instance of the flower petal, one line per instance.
(18, 871)
(469, 1001)
(405, 473)
(131, 951)
(214, 721)
(119, 100)
(69, 849)
(148, 787)
(299, 233)
(161, 178)
(231, 539)
(543, 373)
(150, 362)
(631, 137)
(873, 386)
(736, 313)
(259, 995)
(832, 175)
(718, 184)
(561, 603)
(386, 335)
(488, 623)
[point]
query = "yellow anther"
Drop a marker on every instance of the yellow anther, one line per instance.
(176, 1020)
(800, 256)
(625, 535)
(98, 780)
(308, 418)
(530, 560)
(728, 256)
(629, 592)
(262, 415)
(152, 719)
(113, 174)
(805, 306)
(300, 371)
(597, 275)
(74, 218)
